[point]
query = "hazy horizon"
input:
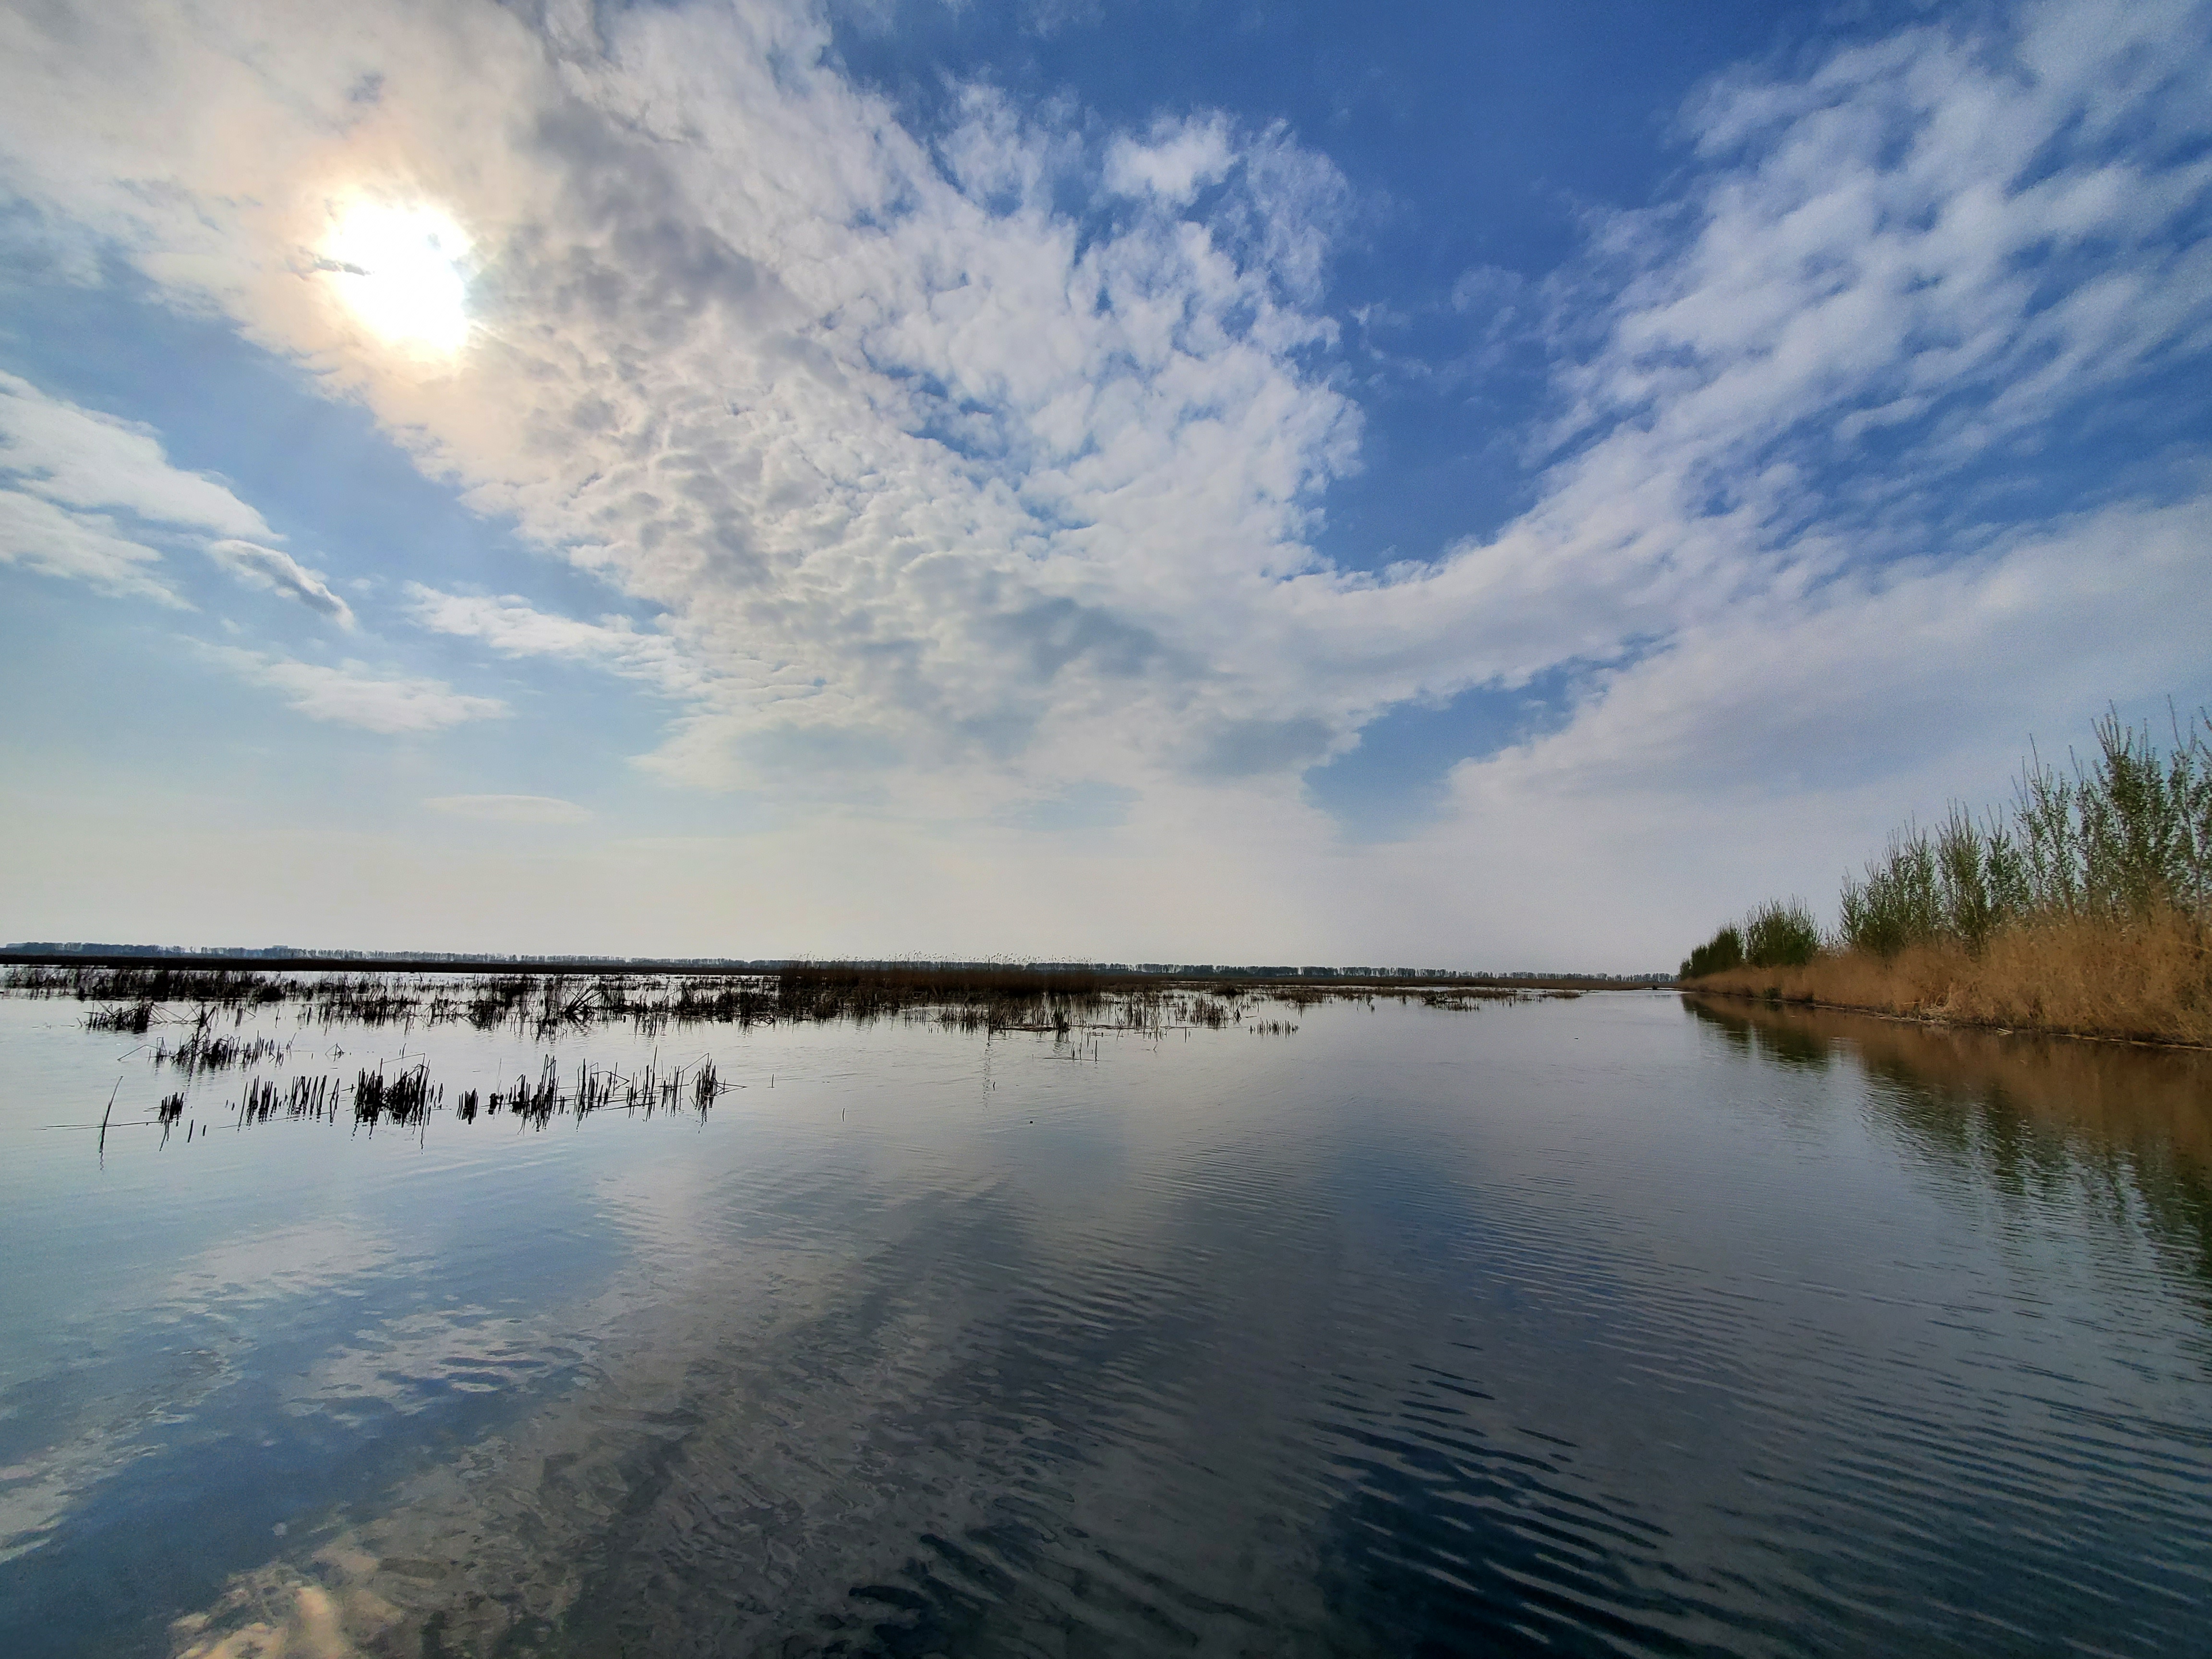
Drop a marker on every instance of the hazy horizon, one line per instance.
(279, 956)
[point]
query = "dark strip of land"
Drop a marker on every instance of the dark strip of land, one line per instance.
(1105, 975)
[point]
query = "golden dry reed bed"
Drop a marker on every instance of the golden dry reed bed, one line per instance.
(2086, 908)
(2146, 981)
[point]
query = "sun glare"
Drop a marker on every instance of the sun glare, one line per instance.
(398, 270)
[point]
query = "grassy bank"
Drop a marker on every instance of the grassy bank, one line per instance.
(2142, 983)
(2084, 907)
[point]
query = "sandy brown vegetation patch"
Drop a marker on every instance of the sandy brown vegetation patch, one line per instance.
(2142, 979)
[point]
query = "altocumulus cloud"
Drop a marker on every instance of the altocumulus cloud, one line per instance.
(999, 451)
(351, 695)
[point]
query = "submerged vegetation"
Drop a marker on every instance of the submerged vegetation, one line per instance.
(195, 1021)
(2086, 906)
(136, 1000)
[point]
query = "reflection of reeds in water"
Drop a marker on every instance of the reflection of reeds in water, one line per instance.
(407, 1097)
(2033, 1113)
(201, 1052)
(2115, 1094)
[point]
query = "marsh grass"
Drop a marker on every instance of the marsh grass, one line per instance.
(138, 1000)
(200, 1016)
(207, 1051)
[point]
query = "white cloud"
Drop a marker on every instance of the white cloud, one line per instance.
(515, 628)
(509, 809)
(2004, 628)
(353, 695)
(1922, 243)
(85, 547)
(1175, 161)
(280, 573)
(66, 472)
(925, 459)
(84, 460)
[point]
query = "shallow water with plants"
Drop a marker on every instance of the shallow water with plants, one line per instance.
(1606, 1324)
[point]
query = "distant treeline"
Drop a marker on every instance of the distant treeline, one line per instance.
(2109, 860)
(291, 957)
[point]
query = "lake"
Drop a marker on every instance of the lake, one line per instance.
(1604, 1324)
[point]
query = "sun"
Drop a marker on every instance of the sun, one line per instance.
(398, 269)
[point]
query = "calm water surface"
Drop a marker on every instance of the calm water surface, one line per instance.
(1596, 1326)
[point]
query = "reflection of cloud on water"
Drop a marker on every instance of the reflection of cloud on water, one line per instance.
(504, 1532)
(662, 1208)
(34, 1496)
(410, 1364)
(279, 1612)
(217, 1290)
(240, 1275)
(868, 1384)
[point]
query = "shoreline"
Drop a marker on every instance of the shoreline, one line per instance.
(1110, 975)
(2146, 980)
(1774, 998)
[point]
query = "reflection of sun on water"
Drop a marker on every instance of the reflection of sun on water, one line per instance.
(397, 269)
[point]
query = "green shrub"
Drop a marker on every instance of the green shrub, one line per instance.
(2125, 835)
(1723, 951)
(2130, 833)
(1775, 935)
(1780, 935)
(2119, 839)
(1898, 903)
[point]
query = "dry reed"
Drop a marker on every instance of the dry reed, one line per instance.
(2147, 979)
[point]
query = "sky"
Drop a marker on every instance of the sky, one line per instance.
(1483, 486)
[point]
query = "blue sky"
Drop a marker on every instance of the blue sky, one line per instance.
(1482, 486)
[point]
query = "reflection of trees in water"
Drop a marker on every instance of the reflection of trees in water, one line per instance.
(2104, 1129)
(1781, 1042)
